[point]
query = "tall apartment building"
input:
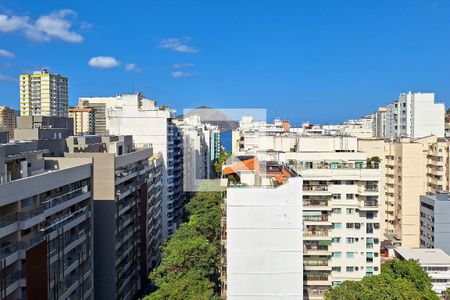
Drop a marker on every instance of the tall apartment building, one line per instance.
(379, 123)
(415, 115)
(262, 232)
(148, 124)
(8, 119)
(127, 213)
(101, 105)
(434, 223)
(201, 145)
(44, 94)
(341, 219)
(83, 120)
(341, 204)
(411, 168)
(45, 225)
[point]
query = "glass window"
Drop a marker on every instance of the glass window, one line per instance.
(336, 225)
(350, 254)
(349, 269)
(349, 196)
(337, 254)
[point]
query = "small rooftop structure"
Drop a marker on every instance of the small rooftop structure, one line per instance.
(425, 256)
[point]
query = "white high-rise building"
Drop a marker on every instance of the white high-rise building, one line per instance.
(44, 94)
(262, 232)
(341, 209)
(415, 115)
(379, 123)
(149, 124)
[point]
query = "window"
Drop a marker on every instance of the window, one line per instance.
(336, 211)
(336, 240)
(349, 196)
(349, 269)
(350, 254)
(350, 225)
(350, 211)
(350, 240)
(336, 225)
(337, 196)
(336, 269)
(336, 254)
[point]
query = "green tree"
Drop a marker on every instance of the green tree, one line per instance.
(399, 280)
(217, 164)
(447, 294)
(189, 267)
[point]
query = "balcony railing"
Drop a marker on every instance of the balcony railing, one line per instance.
(371, 203)
(370, 188)
(314, 263)
(316, 248)
(8, 220)
(315, 233)
(316, 218)
(315, 203)
(5, 177)
(314, 293)
(316, 277)
(316, 188)
(25, 215)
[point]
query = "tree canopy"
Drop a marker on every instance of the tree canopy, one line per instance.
(399, 280)
(190, 261)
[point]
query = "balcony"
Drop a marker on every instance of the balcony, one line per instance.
(316, 278)
(315, 235)
(316, 264)
(314, 293)
(370, 204)
(317, 249)
(316, 188)
(316, 205)
(371, 189)
(321, 218)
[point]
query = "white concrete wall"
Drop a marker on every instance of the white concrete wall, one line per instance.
(264, 242)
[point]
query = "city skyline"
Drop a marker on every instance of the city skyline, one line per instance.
(321, 60)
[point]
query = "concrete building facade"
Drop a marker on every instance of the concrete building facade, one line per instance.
(83, 120)
(434, 221)
(46, 226)
(415, 115)
(262, 234)
(127, 217)
(8, 119)
(150, 124)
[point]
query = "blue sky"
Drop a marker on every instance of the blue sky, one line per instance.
(322, 61)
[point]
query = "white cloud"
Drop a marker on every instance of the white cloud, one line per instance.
(7, 78)
(176, 44)
(185, 65)
(13, 23)
(180, 74)
(6, 53)
(103, 62)
(56, 25)
(132, 68)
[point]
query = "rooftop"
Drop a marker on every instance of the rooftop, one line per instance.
(425, 256)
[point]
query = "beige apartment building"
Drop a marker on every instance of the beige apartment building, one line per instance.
(8, 120)
(83, 120)
(127, 203)
(44, 94)
(411, 168)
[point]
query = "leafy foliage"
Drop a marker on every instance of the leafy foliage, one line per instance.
(190, 258)
(217, 164)
(398, 280)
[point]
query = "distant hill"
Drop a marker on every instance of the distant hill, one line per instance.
(212, 116)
